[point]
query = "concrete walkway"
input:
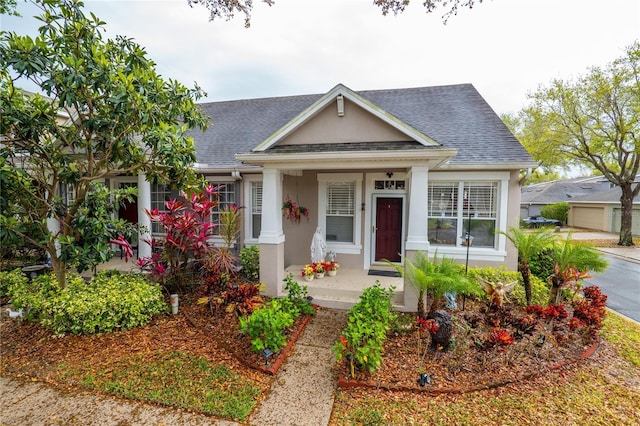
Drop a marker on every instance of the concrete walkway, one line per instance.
(302, 393)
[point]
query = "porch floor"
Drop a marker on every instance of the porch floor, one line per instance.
(343, 290)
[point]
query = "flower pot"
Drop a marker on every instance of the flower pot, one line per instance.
(319, 275)
(332, 273)
(308, 277)
(286, 212)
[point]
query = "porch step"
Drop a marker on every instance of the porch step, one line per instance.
(341, 298)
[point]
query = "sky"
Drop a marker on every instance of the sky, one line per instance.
(505, 48)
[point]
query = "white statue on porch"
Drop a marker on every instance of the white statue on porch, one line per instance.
(318, 247)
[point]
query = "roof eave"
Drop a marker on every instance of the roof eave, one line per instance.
(354, 159)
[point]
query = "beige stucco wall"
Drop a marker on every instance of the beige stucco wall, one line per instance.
(357, 125)
(303, 190)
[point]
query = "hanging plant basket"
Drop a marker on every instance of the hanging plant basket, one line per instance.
(293, 212)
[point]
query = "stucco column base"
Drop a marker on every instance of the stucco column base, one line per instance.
(410, 295)
(272, 268)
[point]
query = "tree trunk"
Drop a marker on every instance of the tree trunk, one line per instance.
(554, 292)
(626, 201)
(421, 312)
(525, 271)
(60, 269)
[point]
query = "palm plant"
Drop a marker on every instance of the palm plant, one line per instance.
(573, 260)
(434, 278)
(529, 244)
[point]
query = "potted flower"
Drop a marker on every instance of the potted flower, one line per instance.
(308, 272)
(288, 208)
(332, 268)
(318, 267)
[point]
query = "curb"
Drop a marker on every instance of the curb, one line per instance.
(344, 383)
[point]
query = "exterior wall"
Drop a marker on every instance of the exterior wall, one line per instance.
(356, 125)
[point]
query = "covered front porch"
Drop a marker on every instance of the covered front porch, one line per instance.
(343, 290)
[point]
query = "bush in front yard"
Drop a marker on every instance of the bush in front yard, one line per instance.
(110, 301)
(10, 279)
(539, 289)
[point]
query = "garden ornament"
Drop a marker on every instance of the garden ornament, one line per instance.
(442, 336)
(497, 291)
(318, 247)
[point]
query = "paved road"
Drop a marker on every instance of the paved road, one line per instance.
(621, 283)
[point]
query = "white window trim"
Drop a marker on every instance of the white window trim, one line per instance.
(215, 240)
(248, 204)
(323, 178)
(498, 253)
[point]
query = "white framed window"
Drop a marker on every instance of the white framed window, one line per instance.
(160, 194)
(339, 200)
(252, 196)
(225, 194)
(457, 208)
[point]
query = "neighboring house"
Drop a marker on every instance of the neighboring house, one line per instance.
(534, 197)
(594, 202)
(602, 211)
(383, 173)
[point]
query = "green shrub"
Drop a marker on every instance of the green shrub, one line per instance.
(558, 211)
(9, 279)
(250, 263)
(369, 321)
(266, 325)
(298, 295)
(539, 290)
(110, 301)
(542, 265)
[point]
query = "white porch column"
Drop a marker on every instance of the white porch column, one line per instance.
(417, 226)
(144, 202)
(417, 238)
(53, 225)
(271, 238)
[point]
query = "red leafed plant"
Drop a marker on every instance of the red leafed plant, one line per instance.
(591, 310)
(501, 336)
(186, 227)
(429, 325)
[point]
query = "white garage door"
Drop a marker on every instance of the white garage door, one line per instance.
(588, 217)
(635, 221)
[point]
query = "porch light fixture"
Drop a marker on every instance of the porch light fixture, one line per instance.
(340, 105)
(235, 174)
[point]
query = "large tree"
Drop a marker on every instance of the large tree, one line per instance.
(228, 8)
(103, 110)
(592, 121)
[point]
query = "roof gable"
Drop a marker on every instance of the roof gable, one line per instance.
(337, 98)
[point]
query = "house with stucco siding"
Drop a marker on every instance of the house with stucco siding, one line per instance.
(382, 173)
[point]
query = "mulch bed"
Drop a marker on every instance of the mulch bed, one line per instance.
(28, 349)
(467, 367)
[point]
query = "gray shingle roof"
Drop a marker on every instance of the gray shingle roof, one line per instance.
(455, 116)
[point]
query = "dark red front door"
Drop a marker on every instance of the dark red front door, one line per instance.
(388, 229)
(129, 210)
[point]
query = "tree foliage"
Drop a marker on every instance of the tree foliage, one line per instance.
(103, 110)
(592, 121)
(228, 8)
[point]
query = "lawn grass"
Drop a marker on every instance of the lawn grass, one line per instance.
(589, 396)
(176, 379)
(624, 334)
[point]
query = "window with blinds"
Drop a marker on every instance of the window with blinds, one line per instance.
(457, 208)
(256, 209)
(340, 211)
